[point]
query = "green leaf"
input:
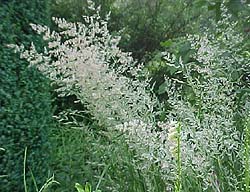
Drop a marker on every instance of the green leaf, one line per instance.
(166, 43)
(162, 88)
(79, 187)
(88, 187)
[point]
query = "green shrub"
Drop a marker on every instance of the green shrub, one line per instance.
(25, 102)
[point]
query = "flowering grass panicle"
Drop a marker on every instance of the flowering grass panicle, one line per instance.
(84, 60)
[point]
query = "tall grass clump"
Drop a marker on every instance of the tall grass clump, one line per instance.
(83, 60)
(202, 152)
(206, 102)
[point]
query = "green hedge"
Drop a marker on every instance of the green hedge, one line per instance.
(25, 102)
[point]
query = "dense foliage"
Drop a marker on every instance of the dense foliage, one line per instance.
(25, 102)
(172, 114)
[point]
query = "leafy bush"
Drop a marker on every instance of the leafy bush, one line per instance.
(25, 102)
(146, 23)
